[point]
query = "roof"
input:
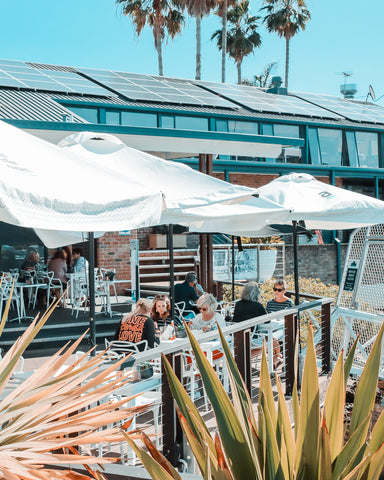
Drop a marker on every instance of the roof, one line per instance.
(42, 92)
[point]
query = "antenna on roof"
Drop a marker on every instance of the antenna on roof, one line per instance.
(371, 93)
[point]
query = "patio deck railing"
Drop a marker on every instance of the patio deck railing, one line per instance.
(247, 355)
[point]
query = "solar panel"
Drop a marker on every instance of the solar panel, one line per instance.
(14, 73)
(260, 101)
(357, 111)
(137, 86)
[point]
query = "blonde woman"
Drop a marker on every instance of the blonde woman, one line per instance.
(208, 318)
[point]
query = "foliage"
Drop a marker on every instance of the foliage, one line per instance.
(262, 80)
(160, 15)
(59, 407)
(315, 448)
(242, 35)
(311, 286)
(286, 18)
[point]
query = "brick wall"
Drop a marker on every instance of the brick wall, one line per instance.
(316, 261)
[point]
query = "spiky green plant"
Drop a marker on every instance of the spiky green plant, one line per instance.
(40, 418)
(270, 448)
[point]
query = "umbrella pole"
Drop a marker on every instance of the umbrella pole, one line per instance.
(171, 268)
(295, 263)
(91, 277)
(233, 268)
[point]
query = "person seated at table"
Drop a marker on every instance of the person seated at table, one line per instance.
(79, 263)
(280, 300)
(138, 325)
(249, 307)
(188, 291)
(31, 261)
(68, 252)
(208, 318)
(58, 265)
(161, 309)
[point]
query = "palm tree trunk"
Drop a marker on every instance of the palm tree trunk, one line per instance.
(286, 60)
(159, 50)
(238, 66)
(198, 48)
(224, 42)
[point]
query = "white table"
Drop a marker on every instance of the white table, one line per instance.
(268, 329)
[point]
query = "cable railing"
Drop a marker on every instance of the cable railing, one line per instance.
(246, 339)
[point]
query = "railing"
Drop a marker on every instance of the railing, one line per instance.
(247, 355)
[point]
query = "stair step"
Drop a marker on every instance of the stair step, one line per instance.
(180, 265)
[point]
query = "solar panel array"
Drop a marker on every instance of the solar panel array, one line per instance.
(140, 87)
(260, 101)
(359, 112)
(147, 88)
(20, 75)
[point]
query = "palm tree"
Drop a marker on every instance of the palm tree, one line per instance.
(222, 11)
(161, 16)
(197, 9)
(242, 37)
(286, 17)
(263, 78)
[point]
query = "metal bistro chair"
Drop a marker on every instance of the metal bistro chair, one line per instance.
(5, 292)
(46, 281)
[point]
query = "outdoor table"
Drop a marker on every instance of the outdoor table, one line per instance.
(20, 286)
(268, 329)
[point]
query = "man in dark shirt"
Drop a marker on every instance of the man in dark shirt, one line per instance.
(188, 291)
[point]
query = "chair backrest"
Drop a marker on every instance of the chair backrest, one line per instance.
(121, 346)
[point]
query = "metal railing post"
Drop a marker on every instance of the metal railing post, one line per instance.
(242, 356)
(326, 337)
(172, 431)
(290, 341)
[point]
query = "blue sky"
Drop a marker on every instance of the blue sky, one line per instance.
(343, 35)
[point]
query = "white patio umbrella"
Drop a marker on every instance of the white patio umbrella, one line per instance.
(191, 198)
(45, 187)
(321, 206)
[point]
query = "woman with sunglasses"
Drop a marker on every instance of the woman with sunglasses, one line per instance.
(208, 318)
(281, 301)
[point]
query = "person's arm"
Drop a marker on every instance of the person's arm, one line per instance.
(149, 332)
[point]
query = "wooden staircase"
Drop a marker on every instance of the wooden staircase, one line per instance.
(154, 269)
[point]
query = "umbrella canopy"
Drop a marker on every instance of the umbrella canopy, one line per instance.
(193, 199)
(321, 205)
(182, 187)
(43, 186)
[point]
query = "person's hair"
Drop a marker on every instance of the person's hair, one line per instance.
(143, 307)
(282, 284)
(209, 300)
(33, 256)
(67, 250)
(77, 250)
(250, 292)
(59, 254)
(163, 298)
(191, 277)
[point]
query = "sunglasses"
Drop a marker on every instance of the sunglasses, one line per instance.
(278, 289)
(203, 309)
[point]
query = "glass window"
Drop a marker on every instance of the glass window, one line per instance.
(167, 121)
(367, 149)
(313, 143)
(112, 117)
(267, 129)
(90, 114)
(330, 142)
(352, 149)
(291, 131)
(221, 125)
(191, 123)
(243, 127)
(139, 119)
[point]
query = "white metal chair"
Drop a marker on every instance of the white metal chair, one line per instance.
(123, 347)
(46, 281)
(5, 292)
